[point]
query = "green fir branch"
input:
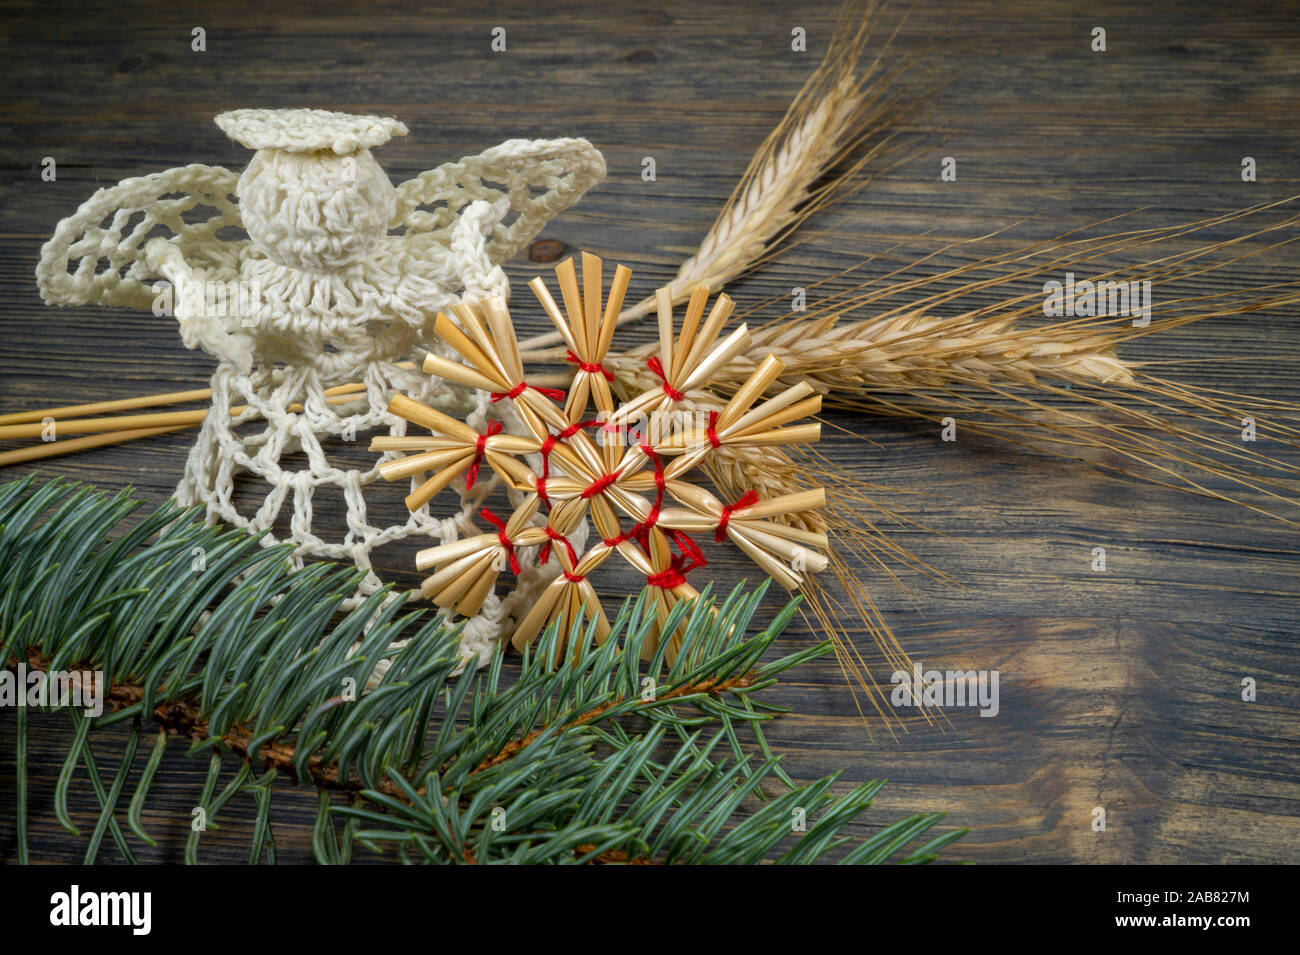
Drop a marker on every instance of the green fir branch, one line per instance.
(208, 639)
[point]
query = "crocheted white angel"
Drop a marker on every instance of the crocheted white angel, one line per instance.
(320, 273)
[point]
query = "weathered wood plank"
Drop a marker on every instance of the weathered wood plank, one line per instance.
(1119, 690)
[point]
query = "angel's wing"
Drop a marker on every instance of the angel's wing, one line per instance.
(97, 254)
(532, 180)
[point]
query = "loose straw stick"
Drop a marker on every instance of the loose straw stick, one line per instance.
(102, 407)
(164, 419)
(50, 449)
(150, 401)
(123, 432)
(140, 422)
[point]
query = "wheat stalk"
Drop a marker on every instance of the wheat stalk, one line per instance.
(859, 546)
(996, 370)
(835, 128)
(909, 347)
(1060, 387)
(770, 199)
(914, 351)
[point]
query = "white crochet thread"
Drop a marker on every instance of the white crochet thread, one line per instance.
(338, 280)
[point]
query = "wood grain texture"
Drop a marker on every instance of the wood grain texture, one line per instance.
(1119, 690)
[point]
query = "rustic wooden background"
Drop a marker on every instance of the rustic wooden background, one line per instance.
(1119, 690)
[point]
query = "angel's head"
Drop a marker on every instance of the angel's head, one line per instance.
(313, 197)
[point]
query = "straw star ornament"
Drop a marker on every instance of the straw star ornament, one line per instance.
(618, 468)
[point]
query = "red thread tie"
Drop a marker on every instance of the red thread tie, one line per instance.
(545, 450)
(501, 536)
(591, 368)
(555, 394)
(655, 365)
(710, 433)
(652, 518)
(601, 483)
(471, 475)
(547, 447)
(749, 499)
(667, 579)
(689, 558)
(574, 428)
(639, 530)
(545, 553)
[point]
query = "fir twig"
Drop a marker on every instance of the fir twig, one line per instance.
(221, 643)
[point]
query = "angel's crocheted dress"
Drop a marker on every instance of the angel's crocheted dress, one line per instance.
(319, 272)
